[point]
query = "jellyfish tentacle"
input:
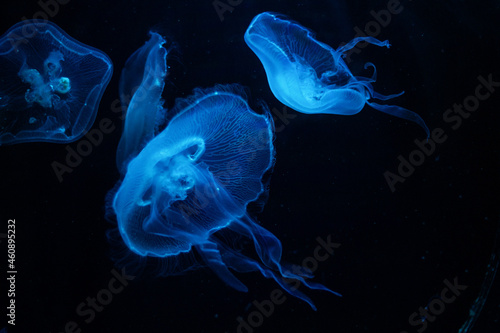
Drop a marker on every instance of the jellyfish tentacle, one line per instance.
(401, 112)
(268, 247)
(212, 257)
(381, 97)
(351, 44)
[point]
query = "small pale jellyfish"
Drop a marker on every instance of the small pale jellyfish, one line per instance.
(50, 77)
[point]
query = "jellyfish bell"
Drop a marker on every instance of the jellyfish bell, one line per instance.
(190, 162)
(51, 84)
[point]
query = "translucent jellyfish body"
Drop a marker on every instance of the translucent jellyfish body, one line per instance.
(141, 86)
(310, 76)
(50, 85)
(186, 188)
(197, 177)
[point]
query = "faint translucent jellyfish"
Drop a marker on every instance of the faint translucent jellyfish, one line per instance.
(143, 79)
(310, 76)
(51, 84)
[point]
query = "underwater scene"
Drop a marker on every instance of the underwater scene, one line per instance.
(250, 166)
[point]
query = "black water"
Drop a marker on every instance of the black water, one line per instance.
(398, 248)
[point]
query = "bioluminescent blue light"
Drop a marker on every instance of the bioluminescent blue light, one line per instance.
(195, 180)
(51, 84)
(310, 76)
(143, 79)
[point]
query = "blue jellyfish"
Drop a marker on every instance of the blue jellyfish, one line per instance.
(310, 76)
(51, 84)
(194, 180)
(141, 86)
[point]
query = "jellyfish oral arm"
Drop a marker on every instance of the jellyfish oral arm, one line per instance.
(344, 48)
(212, 257)
(400, 112)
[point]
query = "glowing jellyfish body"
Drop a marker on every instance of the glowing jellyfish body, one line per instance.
(51, 84)
(141, 86)
(197, 177)
(310, 76)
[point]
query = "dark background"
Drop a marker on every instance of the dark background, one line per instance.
(396, 248)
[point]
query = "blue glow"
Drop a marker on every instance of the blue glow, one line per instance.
(195, 179)
(51, 84)
(310, 76)
(143, 79)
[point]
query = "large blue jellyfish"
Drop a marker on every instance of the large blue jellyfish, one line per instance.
(187, 188)
(51, 84)
(197, 177)
(310, 76)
